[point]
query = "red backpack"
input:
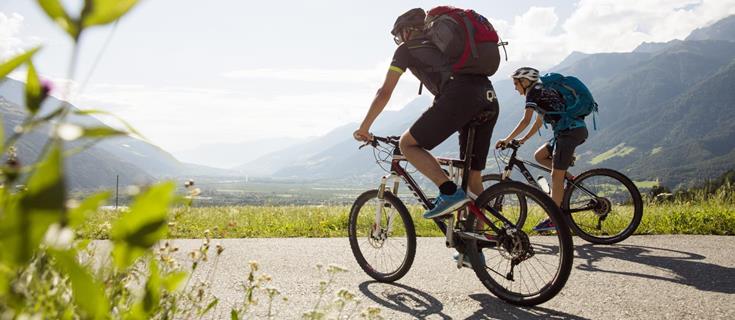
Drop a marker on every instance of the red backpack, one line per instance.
(449, 28)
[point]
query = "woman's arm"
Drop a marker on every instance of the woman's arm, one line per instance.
(534, 129)
(522, 125)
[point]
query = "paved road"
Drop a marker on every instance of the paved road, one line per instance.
(645, 277)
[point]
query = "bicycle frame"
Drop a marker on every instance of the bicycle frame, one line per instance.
(515, 161)
(456, 169)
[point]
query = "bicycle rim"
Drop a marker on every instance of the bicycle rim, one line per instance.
(526, 267)
(610, 214)
(384, 247)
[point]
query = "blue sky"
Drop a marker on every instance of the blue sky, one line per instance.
(188, 72)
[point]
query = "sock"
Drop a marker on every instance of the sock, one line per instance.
(448, 188)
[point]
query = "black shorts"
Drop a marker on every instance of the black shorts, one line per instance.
(461, 100)
(563, 150)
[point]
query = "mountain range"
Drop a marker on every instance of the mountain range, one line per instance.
(135, 161)
(666, 114)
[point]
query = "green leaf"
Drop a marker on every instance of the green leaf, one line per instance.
(30, 213)
(33, 90)
(234, 315)
(102, 132)
(209, 306)
(89, 205)
(127, 125)
(57, 13)
(146, 223)
(89, 294)
(173, 281)
(152, 289)
(100, 12)
(10, 65)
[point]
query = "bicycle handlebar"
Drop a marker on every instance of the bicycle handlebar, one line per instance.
(514, 144)
(391, 140)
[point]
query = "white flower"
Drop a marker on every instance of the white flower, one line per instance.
(58, 237)
(69, 131)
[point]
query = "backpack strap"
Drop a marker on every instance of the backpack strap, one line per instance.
(470, 34)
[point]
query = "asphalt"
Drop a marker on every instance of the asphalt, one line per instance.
(645, 277)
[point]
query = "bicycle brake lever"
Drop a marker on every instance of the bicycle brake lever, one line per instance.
(364, 145)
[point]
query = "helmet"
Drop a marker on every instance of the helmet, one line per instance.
(412, 18)
(526, 73)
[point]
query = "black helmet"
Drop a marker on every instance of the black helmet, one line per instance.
(412, 18)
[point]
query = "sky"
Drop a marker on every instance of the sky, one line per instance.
(188, 72)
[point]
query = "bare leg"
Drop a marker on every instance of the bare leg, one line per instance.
(557, 185)
(543, 157)
(422, 159)
(475, 183)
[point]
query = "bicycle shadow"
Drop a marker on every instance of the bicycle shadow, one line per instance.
(405, 299)
(421, 305)
(684, 265)
(494, 308)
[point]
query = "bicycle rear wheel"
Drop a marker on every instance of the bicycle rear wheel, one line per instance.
(517, 216)
(382, 236)
(603, 206)
(520, 266)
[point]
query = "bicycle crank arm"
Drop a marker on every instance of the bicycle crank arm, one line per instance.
(477, 236)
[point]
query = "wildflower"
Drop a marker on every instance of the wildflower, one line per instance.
(220, 248)
(195, 255)
(69, 132)
(58, 237)
(253, 265)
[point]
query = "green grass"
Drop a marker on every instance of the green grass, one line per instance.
(646, 184)
(711, 216)
(617, 151)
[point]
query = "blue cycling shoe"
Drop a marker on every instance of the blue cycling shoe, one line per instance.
(544, 226)
(446, 204)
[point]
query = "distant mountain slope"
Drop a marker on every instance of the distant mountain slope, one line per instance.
(136, 161)
(720, 30)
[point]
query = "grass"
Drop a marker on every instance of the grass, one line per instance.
(712, 216)
(617, 151)
(646, 184)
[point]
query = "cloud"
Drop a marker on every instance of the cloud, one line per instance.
(312, 75)
(539, 38)
(10, 42)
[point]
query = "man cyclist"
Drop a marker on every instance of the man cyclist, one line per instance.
(458, 99)
(556, 155)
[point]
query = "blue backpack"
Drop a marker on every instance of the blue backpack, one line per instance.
(578, 101)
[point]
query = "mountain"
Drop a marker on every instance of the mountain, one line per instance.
(228, 155)
(720, 30)
(665, 113)
(134, 160)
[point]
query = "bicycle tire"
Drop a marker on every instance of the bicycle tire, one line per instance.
(635, 196)
(565, 248)
(523, 212)
(397, 204)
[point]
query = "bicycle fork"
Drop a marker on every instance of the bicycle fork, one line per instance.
(376, 230)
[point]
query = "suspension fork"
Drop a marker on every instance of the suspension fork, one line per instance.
(381, 202)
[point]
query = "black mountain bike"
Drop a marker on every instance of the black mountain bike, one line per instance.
(601, 206)
(519, 267)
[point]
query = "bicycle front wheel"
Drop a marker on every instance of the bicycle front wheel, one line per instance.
(603, 206)
(382, 236)
(522, 267)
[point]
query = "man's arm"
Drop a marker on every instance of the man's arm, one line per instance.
(379, 102)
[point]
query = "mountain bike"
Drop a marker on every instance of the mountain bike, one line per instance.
(519, 267)
(601, 206)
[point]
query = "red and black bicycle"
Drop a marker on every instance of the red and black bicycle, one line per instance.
(518, 266)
